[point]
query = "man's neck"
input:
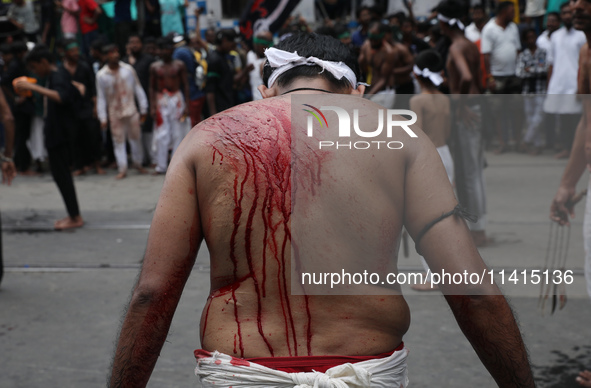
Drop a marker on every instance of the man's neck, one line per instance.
(308, 86)
(480, 25)
(533, 48)
(501, 22)
(71, 63)
(456, 35)
(568, 27)
(113, 66)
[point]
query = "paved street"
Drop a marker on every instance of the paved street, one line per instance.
(63, 292)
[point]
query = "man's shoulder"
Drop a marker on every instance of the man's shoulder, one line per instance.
(490, 27)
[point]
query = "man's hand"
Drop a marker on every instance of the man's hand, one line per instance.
(562, 205)
(104, 126)
(491, 84)
(23, 86)
(80, 86)
(143, 118)
(8, 172)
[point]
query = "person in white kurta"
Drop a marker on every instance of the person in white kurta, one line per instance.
(117, 89)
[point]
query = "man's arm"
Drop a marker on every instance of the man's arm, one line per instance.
(101, 102)
(561, 207)
(49, 93)
(463, 68)
(185, 83)
(173, 242)
(480, 310)
(384, 72)
(406, 59)
(8, 168)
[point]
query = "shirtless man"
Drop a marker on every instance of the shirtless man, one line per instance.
(463, 68)
(580, 156)
(377, 56)
(402, 70)
(229, 184)
(168, 104)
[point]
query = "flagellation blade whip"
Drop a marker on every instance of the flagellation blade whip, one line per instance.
(555, 260)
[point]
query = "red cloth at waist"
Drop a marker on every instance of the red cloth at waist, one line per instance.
(314, 363)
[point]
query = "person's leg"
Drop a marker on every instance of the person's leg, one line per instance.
(35, 143)
(134, 137)
(587, 239)
(177, 128)
(22, 129)
(59, 163)
(119, 147)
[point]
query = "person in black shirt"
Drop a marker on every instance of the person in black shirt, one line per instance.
(61, 97)
(219, 89)
(87, 139)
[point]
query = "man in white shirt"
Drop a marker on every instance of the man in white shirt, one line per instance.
(474, 29)
(552, 24)
(561, 101)
(500, 44)
(117, 87)
(256, 57)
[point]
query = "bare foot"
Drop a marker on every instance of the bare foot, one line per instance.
(28, 173)
(79, 172)
(425, 287)
(99, 170)
(158, 173)
(68, 223)
(564, 154)
(141, 170)
(501, 150)
(584, 379)
(121, 175)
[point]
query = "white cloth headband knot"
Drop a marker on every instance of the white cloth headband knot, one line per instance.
(283, 61)
(436, 78)
(451, 22)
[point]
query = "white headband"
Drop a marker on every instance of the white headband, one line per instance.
(451, 22)
(436, 78)
(283, 61)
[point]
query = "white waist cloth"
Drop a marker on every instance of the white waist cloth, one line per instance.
(223, 371)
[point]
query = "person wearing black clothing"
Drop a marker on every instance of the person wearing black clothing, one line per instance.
(22, 107)
(152, 18)
(87, 139)
(141, 63)
(219, 89)
(61, 97)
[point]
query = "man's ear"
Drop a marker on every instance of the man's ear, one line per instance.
(359, 91)
(267, 92)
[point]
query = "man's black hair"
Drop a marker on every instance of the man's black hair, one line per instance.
(327, 30)
(18, 47)
(97, 44)
(314, 45)
(525, 32)
(134, 35)
(478, 7)
(165, 42)
(555, 14)
(503, 5)
(429, 59)
(109, 47)
(452, 9)
(38, 53)
(364, 8)
(565, 4)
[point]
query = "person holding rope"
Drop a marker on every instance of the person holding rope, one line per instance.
(580, 158)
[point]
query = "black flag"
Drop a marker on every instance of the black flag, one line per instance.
(261, 15)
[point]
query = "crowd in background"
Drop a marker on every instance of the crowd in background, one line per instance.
(138, 91)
